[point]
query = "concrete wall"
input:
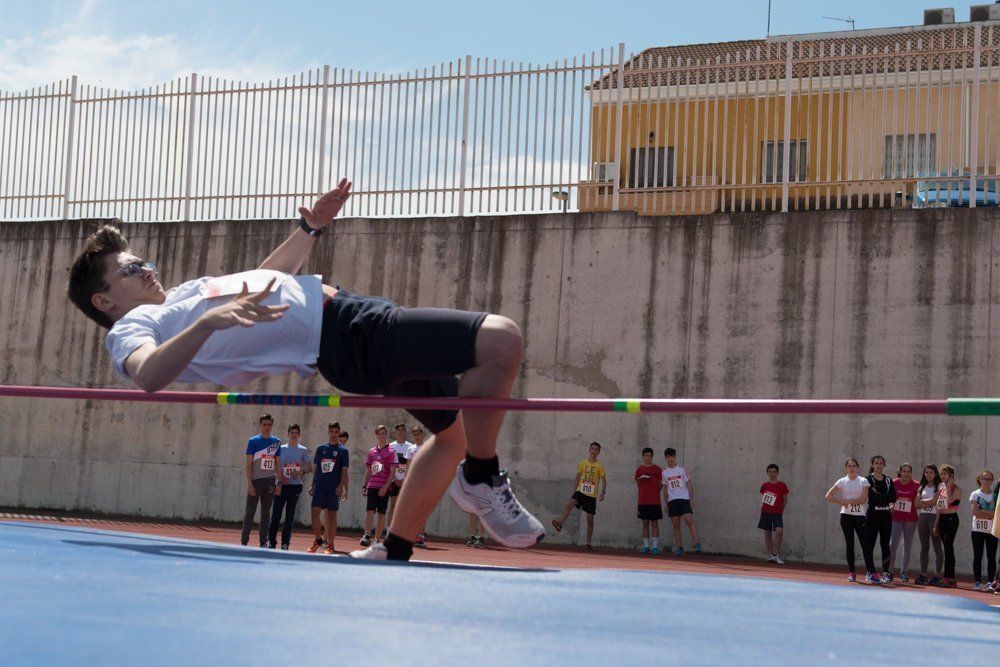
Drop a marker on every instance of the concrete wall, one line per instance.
(866, 304)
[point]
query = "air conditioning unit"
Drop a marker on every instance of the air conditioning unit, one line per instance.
(604, 171)
(939, 16)
(984, 12)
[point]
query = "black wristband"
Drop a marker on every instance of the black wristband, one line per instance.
(304, 226)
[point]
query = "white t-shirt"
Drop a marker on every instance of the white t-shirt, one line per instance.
(929, 493)
(675, 479)
(237, 355)
(408, 451)
(851, 489)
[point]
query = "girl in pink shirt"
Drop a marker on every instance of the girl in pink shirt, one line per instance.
(904, 519)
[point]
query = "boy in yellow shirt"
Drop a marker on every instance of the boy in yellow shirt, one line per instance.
(589, 475)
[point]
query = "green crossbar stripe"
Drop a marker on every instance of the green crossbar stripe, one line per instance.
(966, 407)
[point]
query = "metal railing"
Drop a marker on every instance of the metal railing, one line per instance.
(840, 121)
(474, 136)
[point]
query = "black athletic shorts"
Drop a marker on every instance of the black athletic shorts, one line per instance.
(393, 491)
(369, 345)
(650, 513)
(375, 502)
(586, 503)
(679, 507)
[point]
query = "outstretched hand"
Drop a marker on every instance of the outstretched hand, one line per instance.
(328, 206)
(245, 310)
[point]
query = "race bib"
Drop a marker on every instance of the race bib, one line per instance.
(401, 471)
(942, 503)
(377, 468)
(928, 510)
(587, 488)
(675, 483)
(982, 525)
(326, 466)
(292, 469)
(770, 499)
(903, 505)
(267, 463)
(854, 509)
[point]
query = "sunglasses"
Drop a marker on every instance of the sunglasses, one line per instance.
(135, 269)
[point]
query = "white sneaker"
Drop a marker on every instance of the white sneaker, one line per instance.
(777, 559)
(770, 559)
(376, 551)
(504, 518)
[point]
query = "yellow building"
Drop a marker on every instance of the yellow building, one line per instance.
(862, 118)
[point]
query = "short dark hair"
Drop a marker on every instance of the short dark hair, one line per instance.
(86, 277)
(333, 425)
(294, 427)
(595, 443)
(400, 426)
(345, 435)
(670, 451)
(381, 427)
(647, 450)
(773, 465)
(267, 416)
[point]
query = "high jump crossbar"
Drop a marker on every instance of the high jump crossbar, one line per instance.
(949, 406)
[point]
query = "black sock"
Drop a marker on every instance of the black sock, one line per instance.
(481, 471)
(398, 548)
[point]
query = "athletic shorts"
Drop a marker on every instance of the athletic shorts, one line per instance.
(587, 503)
(377, 503)
(650, 512)
(369, 345)
(326, 499)
(393, 491)
(679, 507)
(769, 521)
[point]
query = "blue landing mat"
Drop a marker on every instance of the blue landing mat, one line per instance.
(88, 597)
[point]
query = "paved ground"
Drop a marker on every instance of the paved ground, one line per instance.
(544, 556)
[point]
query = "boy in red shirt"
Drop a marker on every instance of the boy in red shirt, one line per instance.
(774, 496)
(647, 481)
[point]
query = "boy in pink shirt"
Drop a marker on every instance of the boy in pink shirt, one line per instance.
(379, 467)
(774, 497)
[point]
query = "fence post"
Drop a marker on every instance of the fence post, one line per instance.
(70, 138)
(618, 125)
(787, 146)
(320, 187)
(974, 118)
(189, 161)
(465, 136)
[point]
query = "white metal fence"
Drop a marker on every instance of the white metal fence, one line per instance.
(873, 120)
(468, 137)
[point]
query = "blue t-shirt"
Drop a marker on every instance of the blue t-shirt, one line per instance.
(264, 452)
(330, 462)
(291, 459)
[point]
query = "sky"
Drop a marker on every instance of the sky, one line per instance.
(129, 44)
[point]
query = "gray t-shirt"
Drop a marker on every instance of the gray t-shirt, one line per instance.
(293, 459)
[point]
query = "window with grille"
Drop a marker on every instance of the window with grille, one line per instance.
(772, 156)
(910, 155)
(651, 167)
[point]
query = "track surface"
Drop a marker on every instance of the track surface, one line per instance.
(84, 596)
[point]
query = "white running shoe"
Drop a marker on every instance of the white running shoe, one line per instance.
(376, 551)
(777, 559)
(504, 518)
(770, 558)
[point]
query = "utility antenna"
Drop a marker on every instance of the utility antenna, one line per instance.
(768, 18)
(845, 20)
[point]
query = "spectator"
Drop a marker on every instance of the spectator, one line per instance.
(418, 442)
(904, 519)
(293, 463)
(926, 501)
(774, 497)
(380, 466)
(850, 492)
(330, 484)
(948, 500)
(983, 503)
(679, 493)
(404, 451)
(589, 474)
(650, 512)
(262, 452)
